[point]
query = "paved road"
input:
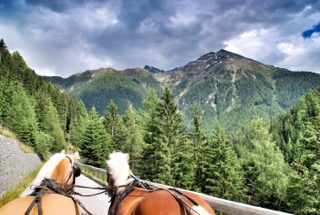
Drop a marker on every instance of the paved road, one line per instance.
(97, 205)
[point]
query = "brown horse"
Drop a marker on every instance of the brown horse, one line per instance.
(53, 195)
(132, 196)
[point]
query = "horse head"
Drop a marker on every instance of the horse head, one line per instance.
(118, 172)
(65, 172)
(60, 167)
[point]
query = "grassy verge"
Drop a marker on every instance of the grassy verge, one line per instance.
(16, 192)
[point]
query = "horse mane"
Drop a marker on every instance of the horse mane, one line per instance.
(118, 167)
(48, 168)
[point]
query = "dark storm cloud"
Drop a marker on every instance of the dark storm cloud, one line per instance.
(164, 33)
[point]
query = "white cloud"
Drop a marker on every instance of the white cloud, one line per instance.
(148, 26)
(259, 44)
(95, 17)
(181, 20)
(46, 71)
(52, 57)
(267, 46)
(301, 54)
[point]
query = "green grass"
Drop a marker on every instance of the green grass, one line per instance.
(16, 192)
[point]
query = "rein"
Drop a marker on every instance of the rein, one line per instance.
(105, 190)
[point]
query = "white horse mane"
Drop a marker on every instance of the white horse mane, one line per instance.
(119, 168)
(48, 168)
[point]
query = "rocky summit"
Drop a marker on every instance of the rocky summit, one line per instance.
(153, 69)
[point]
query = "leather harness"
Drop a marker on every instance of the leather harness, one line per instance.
(49, 186)
(116, 199)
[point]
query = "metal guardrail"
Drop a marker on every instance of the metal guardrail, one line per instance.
(97, 174)
(218, 204)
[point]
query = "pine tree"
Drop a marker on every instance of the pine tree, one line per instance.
(183, 164)
(299, 132)
(7, 90)
(111, 118)
(112, 123)
(304, 188)
(78, 119)
(21, 116)
(6, 63)
(48, 120)
(159, 155)
(95, 141)
(265, 169)
(134, 143)
(1, 101)
(168, 136)
(198, 145)
(19, 66)
(60, 102)
(222, 169)
(43, 144)
(150, 124)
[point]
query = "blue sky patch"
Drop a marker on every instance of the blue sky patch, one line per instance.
(308, 33)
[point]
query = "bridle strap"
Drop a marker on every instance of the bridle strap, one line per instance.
(71, 172)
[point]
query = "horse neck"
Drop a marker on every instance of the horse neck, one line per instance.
(62, 171)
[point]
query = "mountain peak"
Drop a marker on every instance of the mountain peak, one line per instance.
(153, 69)
(218, 56)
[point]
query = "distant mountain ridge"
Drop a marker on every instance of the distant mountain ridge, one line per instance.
(229, 88)
(153, 69)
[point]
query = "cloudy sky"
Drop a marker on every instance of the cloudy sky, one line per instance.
(63, 37)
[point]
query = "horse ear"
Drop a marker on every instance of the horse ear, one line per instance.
(127, 156)
(63, 151)
(76, 155)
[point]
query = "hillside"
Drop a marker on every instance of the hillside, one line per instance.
(36, 112)
(230, 88)
(98, 87)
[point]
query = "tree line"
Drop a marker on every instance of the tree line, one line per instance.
(269, 164)
(37, 112)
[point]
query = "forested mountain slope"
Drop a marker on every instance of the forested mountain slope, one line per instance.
(36, 111)
(230, 88)
(98, 87)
